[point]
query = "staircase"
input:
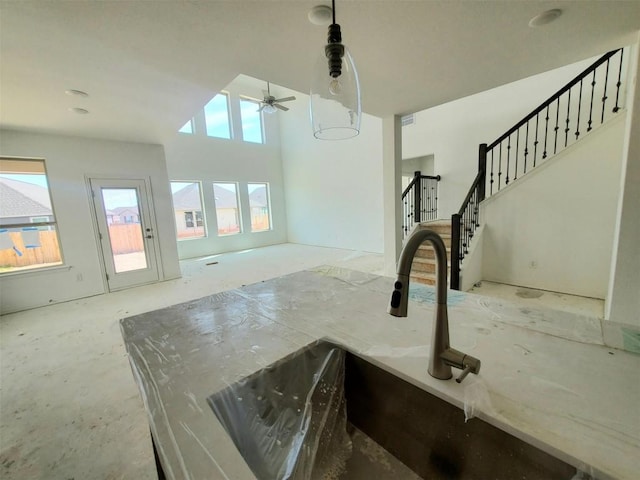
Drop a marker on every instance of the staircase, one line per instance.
(423, 268)
(587, 101)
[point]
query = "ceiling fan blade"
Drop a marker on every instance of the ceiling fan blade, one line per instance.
(261, 107)
(253, 99)
(284, 109)
(285, 99)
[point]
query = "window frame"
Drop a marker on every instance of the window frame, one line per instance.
(49, 225)
(268, 200)
(194, 213)
(238, 208)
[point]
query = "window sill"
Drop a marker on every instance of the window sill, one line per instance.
(36, 271)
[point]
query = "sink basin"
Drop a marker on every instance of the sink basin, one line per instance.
(324, 412)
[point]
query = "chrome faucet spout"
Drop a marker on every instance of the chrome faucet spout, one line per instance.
(441, 357)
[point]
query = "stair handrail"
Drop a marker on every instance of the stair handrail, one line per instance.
(581, 76)
(416, 207)
(466, 220)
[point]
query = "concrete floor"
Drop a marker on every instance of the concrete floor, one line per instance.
(591, 307)
(69, 408)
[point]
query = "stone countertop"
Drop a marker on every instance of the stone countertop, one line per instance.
(545, 377)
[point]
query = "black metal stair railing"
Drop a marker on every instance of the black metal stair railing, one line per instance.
(419, 201)
(582, 104)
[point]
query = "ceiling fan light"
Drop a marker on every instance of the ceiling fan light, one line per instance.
(269, 109)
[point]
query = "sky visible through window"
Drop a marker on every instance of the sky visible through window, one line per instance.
(187, 127)
(251, 121)
(36, 179)
(216, 116)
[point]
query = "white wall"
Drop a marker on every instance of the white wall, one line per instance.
(623, 305)
(69, 160)
(452, 131)
(333, 188)
(554, 229)
(209, 159)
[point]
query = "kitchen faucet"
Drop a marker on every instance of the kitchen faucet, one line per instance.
(442, 357)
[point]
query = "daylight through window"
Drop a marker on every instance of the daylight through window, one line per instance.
(216, 116)
(187, 206)
(187, 127)
(227, 209)
(251, 121)
(28, 231)
(260, 211)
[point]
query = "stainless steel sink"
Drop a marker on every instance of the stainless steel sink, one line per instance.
(290, 421)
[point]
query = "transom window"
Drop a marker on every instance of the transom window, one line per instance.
(216, 116)
(251, 121)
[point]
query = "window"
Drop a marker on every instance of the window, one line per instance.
(259, 202)
(28, 231)
(187, 127)
(216, 116)
(187, 206)
(227, 210)
(188, 219)
(251, 121)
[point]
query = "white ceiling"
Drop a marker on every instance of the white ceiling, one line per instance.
(148, 65)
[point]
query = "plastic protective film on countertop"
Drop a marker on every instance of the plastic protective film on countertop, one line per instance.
(289, 420)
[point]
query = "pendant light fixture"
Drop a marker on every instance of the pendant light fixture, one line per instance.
(335, 90)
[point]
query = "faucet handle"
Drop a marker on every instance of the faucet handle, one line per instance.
(471, 365)
(457, 359)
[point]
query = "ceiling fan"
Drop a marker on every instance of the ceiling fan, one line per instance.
(270, 104)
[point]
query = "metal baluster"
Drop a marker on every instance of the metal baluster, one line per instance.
(604, 93)
(508, 158)
(535, 144)
(579, 109)
(546, 133)
(467, 216)
(526, 148)
(491, 175)
(619, 83)
(593, 87)
(555, 142)
(566, 128)
(515, 177)
(500, 166)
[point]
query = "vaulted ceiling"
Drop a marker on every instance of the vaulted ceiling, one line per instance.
(148, 65)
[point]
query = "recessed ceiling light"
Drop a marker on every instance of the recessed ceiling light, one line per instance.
(76, 93)
(320, 15)
(545, 17)
(79, 111)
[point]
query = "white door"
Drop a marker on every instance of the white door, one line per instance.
(125, 232)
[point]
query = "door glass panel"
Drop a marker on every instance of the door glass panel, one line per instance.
(125, 229)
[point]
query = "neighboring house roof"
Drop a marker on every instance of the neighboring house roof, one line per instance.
(22, 199)
(258, 198)
(187, 198)
(120, 211)
(224, 198)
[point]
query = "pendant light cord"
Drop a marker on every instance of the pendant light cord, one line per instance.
(333, 10)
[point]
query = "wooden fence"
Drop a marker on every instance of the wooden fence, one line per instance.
(47, 252)
(126, 238)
